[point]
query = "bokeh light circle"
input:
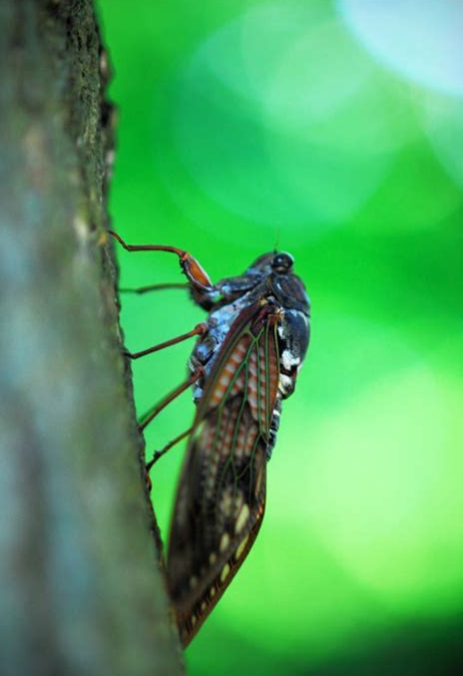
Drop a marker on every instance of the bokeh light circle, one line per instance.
(282, 119)
(420, 39)
(382, 509)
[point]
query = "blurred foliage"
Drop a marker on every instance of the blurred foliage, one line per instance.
(334, 131)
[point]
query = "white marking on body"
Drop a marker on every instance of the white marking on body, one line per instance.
(239, 384)
(237, 356)
(284, 383)
(212, 558)
(216, 397)
(212, 592)
(253, 401)
(262, 362)
(250, 441)
(241, 547)
(224, 542)
(224, 379)
(203, 606)
(288, 359)
(193, 581)
(242, 518)
(225, 572)
(252, 385)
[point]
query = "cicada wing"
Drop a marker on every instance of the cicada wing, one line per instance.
(221, 497)
(197, 581)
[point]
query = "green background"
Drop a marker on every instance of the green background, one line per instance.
(334, 131)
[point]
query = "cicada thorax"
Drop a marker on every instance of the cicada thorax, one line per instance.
(221, 497)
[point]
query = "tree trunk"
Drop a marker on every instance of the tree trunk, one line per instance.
(81, 587)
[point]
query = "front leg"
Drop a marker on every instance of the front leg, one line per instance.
(204, 292)
(197, 276)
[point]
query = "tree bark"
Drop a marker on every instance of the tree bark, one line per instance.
(81, 587)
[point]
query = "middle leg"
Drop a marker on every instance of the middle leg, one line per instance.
(199, 330)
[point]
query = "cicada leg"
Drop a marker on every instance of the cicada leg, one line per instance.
(204, 292)
(167, 447)
(153, 412)
(158, 454)
(202, 286)
(199, 330)
(154, 287)
(197, 276)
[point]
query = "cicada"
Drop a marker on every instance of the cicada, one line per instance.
(245, 362)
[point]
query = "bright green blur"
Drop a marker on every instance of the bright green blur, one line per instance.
(327, 130)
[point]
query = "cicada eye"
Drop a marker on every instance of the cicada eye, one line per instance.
(282, 263)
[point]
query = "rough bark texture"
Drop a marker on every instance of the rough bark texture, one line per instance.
(81, 591)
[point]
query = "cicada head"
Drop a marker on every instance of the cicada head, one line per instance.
(287, 287)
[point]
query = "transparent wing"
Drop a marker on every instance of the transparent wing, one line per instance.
(221, 497)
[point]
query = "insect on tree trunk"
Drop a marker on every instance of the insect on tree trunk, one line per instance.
(81, 590)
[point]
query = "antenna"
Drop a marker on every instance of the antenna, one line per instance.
(277, 239)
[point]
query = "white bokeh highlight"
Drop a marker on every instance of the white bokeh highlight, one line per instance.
(422, 40)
